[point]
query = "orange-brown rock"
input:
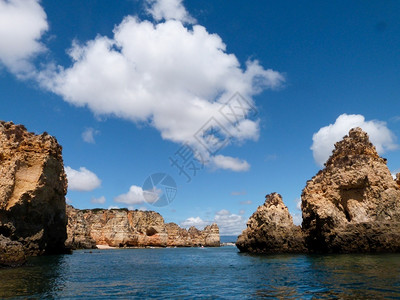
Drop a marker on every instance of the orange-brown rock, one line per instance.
(127, 228)
(271, 230)
(353, 204)
(32, 190)
(209, 236)
(177, 236)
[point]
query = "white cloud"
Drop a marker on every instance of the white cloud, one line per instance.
(242, 212)
(22, 24)
(230, 163)
(326, 137)
(89, 134)
(298, 203)
(169, 9)
(82, 180)
(196, 222)
(223, 212)
(173, 77)
(228, 223)
(136, 195)
(133, 196)
(100, 200)
(297, 219)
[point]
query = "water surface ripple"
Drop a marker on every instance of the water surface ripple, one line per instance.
(218, 273)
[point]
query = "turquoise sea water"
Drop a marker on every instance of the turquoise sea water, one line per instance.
(220, 273)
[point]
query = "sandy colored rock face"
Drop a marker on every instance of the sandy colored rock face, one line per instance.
(353, 204)
(32, 190)
(271, 230)
(123, 228)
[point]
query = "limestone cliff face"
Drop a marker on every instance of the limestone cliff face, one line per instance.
(125, 228)
(32, 190)
(207, 237)
(271, 230)
(78, 234)
(353, 204)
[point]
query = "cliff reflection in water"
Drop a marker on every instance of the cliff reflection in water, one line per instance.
(41, 277)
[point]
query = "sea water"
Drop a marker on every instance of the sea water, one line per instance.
(218, 273)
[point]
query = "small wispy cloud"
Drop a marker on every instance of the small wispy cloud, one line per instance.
(298, 203)
(238, 193)
(230, 163)
(89, 134)
(247, 202)
(271, 157)
(100, 200)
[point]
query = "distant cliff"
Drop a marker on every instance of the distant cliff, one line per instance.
(32, 194)
(352, 205)
(127, 228)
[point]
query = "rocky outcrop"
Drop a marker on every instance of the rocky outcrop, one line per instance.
(352, 205)
(209, 236)
(12, 253)
(177, 236)
(32, 191)
(127, 228)
(78, 234)
(271, 230)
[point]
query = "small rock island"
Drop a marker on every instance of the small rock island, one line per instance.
(351, 206)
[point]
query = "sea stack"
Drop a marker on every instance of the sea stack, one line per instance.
(271, 230)
(351, 206)
(32, 193)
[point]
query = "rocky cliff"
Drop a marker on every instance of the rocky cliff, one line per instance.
(126, 228)
(32, 190)
(271, 230)
(352, 205)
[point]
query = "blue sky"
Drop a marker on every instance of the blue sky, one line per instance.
(124, 86)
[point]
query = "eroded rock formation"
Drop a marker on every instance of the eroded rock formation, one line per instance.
(126, 228)
(12, 253)
(271, 230)
(32, 190)
(352, 205)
